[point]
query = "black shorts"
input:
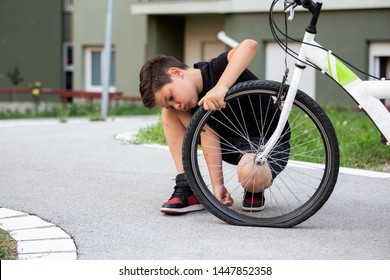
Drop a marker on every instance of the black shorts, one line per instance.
(234, 148)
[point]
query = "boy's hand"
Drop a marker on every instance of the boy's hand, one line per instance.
(214, 99)
(224, 197)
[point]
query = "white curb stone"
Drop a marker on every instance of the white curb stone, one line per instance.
(36, 238)
(22, 222)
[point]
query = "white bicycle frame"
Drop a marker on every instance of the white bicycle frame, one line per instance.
(367, 94)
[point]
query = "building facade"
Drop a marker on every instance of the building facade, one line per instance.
(60, 42)
(355, 29)
(31, 36)
(127, 51)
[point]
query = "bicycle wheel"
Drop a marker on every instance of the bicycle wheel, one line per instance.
(300, 189)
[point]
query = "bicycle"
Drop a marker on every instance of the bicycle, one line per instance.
(310, 175)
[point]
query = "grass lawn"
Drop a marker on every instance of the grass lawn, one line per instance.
(8, 250)
(359, 140)
(91, 111)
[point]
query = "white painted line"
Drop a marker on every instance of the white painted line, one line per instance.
(343, 170)
(365, 173)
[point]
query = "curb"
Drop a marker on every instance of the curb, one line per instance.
(36, 238)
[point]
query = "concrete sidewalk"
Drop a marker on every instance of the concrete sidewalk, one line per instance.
(105, 196)
(37, 238)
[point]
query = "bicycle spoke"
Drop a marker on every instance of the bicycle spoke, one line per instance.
(304, 160)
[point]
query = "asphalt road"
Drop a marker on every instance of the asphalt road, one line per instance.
(107, 196)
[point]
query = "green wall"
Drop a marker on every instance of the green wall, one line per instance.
(31, 39)
(342, 37)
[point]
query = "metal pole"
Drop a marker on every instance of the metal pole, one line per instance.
(106, 61)
(226, 39)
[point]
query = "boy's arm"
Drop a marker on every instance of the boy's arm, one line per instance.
(239, 59)
(211, 147)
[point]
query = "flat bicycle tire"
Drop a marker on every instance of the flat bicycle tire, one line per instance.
(298, 191)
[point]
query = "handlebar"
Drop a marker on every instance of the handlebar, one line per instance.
(307, 4)
(312, 6)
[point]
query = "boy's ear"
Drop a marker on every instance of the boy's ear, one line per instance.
(175, 72)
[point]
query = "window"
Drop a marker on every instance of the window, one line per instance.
(93, 69)
(380, 61)
(68, 56)
(68, 65)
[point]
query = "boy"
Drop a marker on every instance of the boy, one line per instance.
(180, 90)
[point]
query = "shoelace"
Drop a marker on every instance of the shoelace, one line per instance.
(180, 192)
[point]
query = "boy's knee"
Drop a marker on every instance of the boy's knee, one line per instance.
(252, 177)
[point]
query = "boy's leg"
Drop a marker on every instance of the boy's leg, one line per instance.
(174, 124)
(255, 179)
(182, 200)
(252, 177)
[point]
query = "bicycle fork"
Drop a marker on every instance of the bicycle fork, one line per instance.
(262, 153)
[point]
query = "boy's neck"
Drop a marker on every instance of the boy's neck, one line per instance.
(195, 75)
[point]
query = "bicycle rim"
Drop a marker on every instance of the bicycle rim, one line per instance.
(299, 190)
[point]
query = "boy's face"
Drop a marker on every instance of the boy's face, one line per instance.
(180, 94)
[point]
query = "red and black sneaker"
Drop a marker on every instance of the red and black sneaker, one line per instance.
(253, 202)
(182, 200)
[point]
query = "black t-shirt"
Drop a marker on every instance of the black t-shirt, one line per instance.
(212, 71)
(233, 115)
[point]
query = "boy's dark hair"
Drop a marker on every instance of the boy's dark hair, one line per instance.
(153, 76)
